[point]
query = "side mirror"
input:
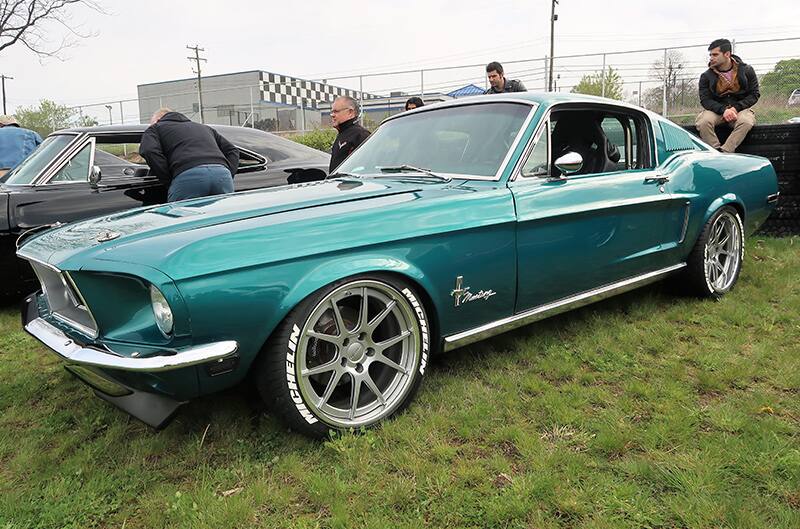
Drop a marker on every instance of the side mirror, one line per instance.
(570, 163)
(94, 176)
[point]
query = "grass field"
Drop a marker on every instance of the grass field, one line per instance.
(648, 410)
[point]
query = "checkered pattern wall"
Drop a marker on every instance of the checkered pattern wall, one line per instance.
(290, 91)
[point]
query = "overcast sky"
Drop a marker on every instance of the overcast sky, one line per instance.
(144, 41)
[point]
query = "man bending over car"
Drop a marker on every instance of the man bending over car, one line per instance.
(191, 159)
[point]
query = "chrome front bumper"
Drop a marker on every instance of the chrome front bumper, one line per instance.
(73, 353)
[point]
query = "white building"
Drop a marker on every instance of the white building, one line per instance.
(257, 98)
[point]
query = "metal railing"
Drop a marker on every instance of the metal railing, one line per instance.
(663, 79)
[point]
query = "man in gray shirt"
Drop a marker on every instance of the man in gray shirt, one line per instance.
(499, 84)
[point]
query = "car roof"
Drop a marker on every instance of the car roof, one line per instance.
(274, 147)
(543, 99)
(141, 127)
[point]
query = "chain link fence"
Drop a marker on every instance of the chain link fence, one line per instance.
(661, 79)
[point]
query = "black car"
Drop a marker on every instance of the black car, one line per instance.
(87, 172)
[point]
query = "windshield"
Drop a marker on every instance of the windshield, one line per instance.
(469, 140)
(38, 160)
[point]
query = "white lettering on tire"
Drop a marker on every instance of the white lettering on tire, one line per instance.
(291, 381)
(423, 325)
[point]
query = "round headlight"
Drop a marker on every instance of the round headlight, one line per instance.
(161, 310)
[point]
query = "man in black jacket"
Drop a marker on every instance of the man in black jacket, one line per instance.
(191, 159)
(344, 113)
(727, 91)
(499, 84)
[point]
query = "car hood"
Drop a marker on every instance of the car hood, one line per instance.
(102, 234)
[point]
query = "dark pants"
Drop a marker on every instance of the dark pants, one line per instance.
(201, 181)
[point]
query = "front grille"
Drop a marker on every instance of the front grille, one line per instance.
(64, 299)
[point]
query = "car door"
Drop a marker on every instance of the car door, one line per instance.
(255, 172)
(579, 232)
(64, 193)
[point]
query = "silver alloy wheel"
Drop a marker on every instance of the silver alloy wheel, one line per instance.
(357, 355)
(723, 252)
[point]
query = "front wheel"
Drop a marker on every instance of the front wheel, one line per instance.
(716, 260)
(349, 356)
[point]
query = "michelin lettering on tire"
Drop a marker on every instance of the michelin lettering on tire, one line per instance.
(292, 371)
(423, 325)
(291, 379)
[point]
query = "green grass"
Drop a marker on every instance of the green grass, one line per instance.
(648, 410)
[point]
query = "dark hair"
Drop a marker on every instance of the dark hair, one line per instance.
(724, 45)
(416, 101)
(494, 66)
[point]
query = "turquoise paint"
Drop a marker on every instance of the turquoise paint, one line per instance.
(232, 267)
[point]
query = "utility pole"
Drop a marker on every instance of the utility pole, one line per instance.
(545, 72)
(603, 78)
(553, 18)
(664, 87)
(4, 77)
(197, 60)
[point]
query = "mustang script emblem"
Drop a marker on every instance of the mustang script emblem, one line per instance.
(461, 294)
(107, 235)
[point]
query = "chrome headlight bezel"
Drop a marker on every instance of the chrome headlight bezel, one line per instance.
(162, 312)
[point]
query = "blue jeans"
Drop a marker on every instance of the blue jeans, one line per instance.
(201, 181)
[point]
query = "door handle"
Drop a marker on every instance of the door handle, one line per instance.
(656, 179)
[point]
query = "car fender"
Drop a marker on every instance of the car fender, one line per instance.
(89, 279)
(327, 272)
(724, 200)
(316, 275)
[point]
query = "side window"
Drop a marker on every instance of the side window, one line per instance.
(617, 136)
(124, 152)
(119, 160)
(250, 161)
(537, 163)
(623, 133)
(77, 168)
(633, 132)
(635, 161)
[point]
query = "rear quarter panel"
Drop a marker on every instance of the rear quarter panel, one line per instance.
(706, 181)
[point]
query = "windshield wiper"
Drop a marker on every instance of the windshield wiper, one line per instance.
(411, 169)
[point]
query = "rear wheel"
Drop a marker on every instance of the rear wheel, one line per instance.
(349, 356)
(716, 260)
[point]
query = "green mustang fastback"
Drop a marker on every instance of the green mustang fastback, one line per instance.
(451, 223)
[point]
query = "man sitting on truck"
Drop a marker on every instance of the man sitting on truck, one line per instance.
(728, 90)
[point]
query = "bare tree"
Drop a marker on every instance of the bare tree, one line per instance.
(30, 23)
(674, 73)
